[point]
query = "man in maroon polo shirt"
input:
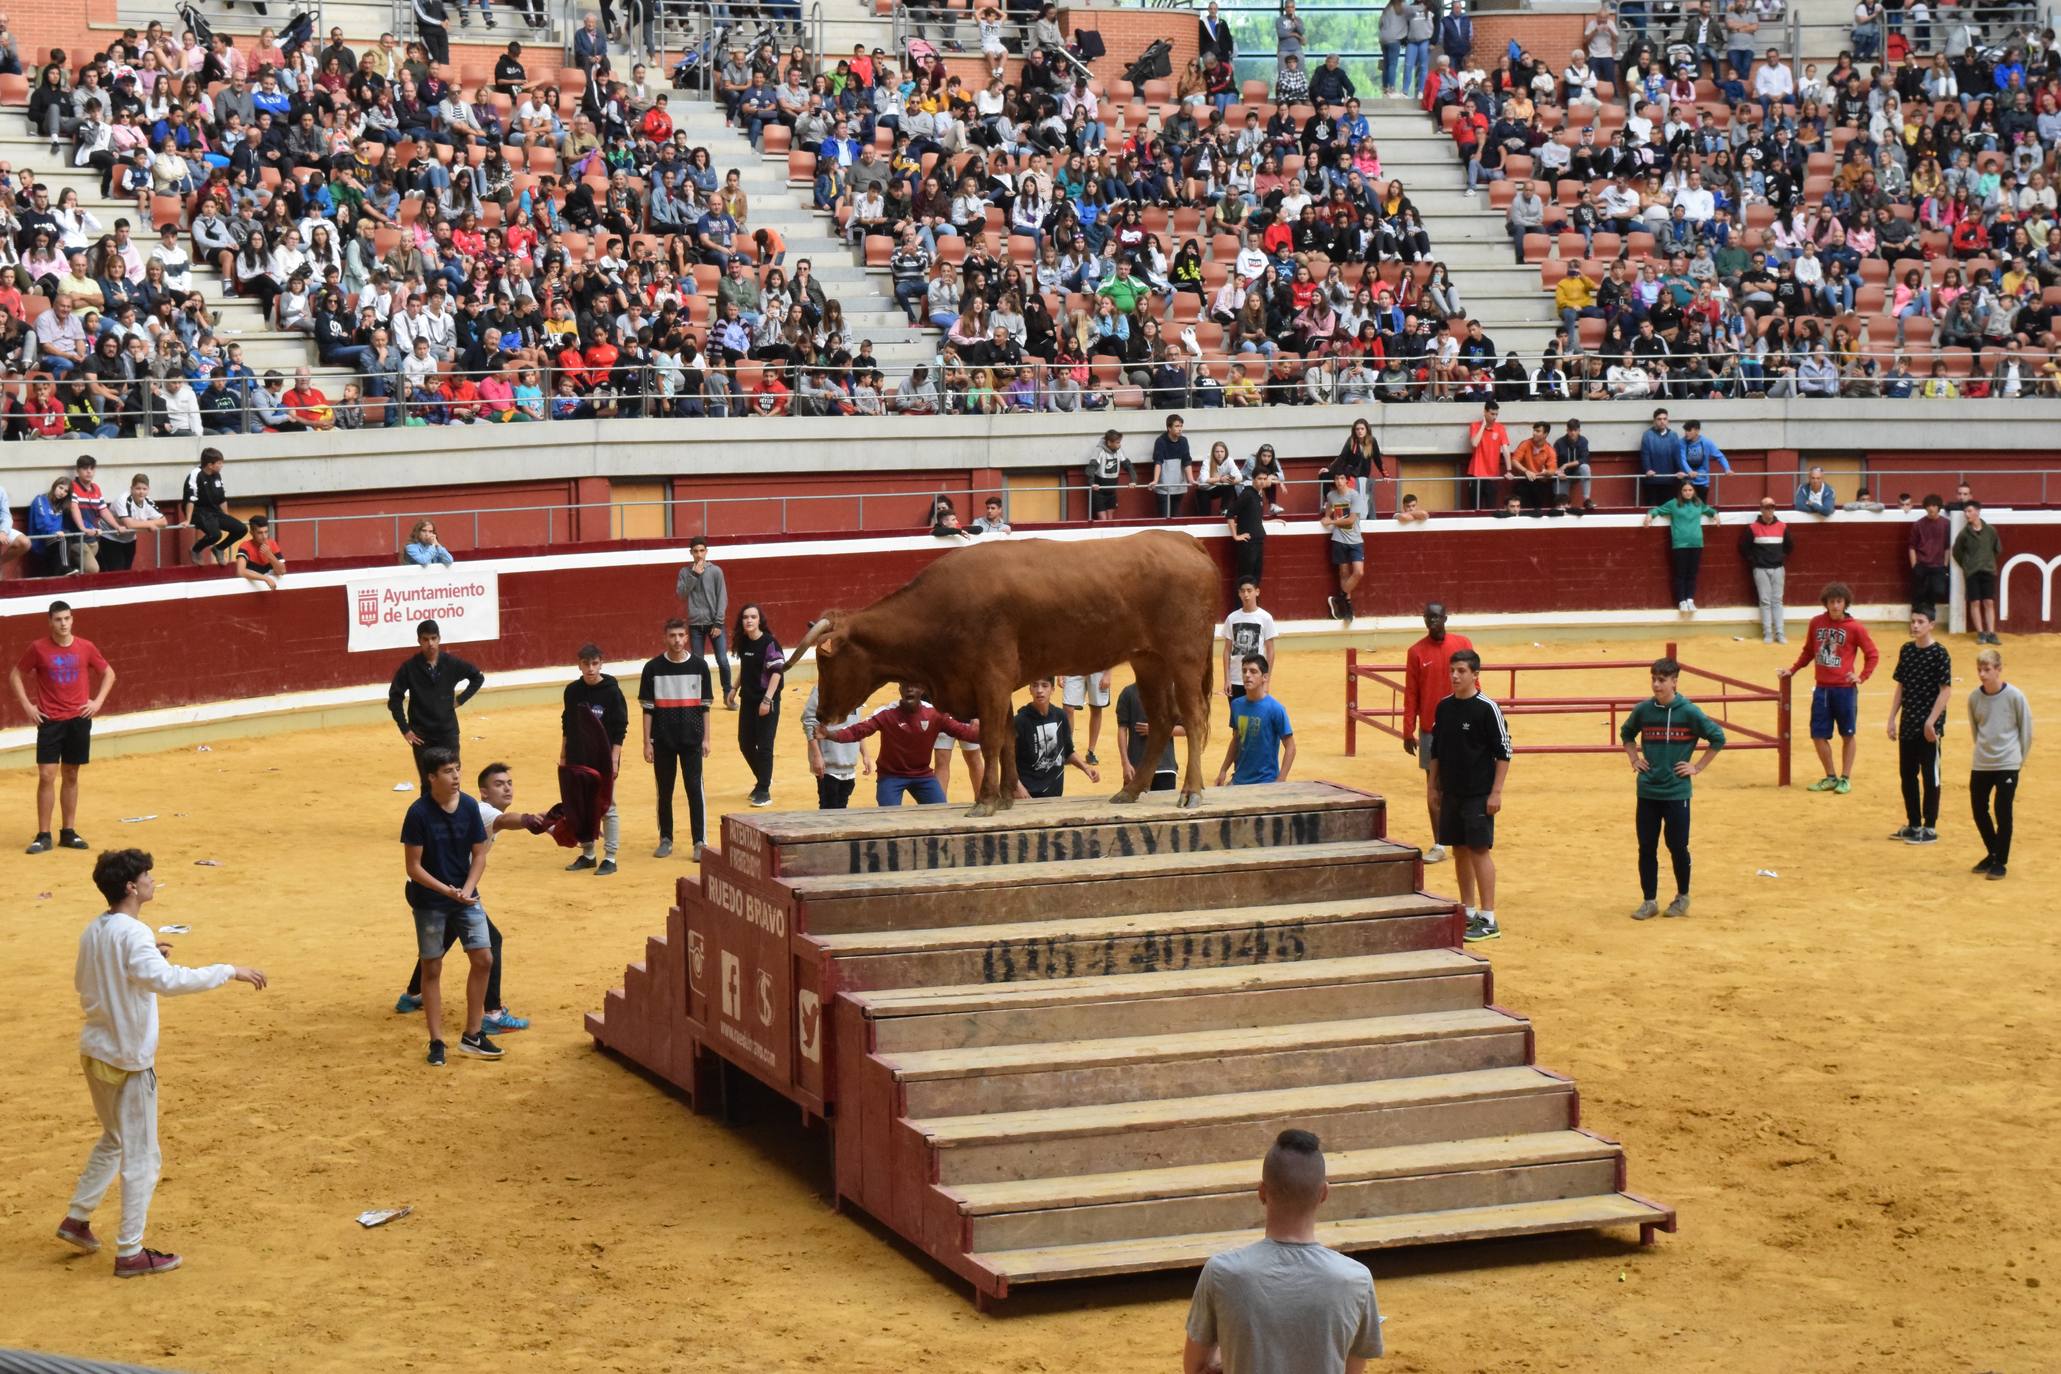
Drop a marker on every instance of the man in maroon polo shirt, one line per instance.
(908, 732)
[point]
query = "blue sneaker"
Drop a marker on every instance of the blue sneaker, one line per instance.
(407, 1002)
(503, 1021)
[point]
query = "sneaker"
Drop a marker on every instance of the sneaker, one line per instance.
(478, 1046)
(584, 861)
(1093, 762)
(606, 869)
(761, 799)
(664, 850)
(1479, 929)
(1588, 507)
(78, 1234)
(1679, 906)
(1983, 864)
(1781, 639)
(699, 850)
(1906, 833)
(1827, 783)
(1331, 604)
(1648, 909)
(1996, 872)
(1681, 606)
(41, 844)
(503, 1021)
(436, 1054)
(145, 1262)
(1348, 616)
(1925, 835)
(1843, 786)
(1435, 855)
(71, 839)
(408, 1002)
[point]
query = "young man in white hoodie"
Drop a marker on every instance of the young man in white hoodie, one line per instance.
(121, 973)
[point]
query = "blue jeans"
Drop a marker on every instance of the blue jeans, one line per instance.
(1391, 60)
(1416, 63)
(926, 789)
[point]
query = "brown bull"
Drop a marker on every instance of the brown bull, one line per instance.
(983, 621)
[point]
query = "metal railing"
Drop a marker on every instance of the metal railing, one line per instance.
(1987, 27)
(689, 38)
(914, 19)
(913, 512)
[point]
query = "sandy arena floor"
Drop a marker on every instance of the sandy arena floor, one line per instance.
(1844, 1077)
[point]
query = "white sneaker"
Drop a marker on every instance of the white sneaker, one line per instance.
(1681, 607)
(1690, 605)
(1435, 855)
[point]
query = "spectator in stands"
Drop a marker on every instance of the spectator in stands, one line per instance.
(1980, 552)
(1814, 495)
(1489, 460)
(422, 548)
(1928, 552)
(1698, 454)
(128, 515)
(1571, 465)
(1685, 513)
(1533, 465)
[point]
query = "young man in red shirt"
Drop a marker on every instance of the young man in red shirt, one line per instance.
(1428, 680)
(1846, 657)
(1489, 462)
(259, 558)
(63, 706)
(908, 733)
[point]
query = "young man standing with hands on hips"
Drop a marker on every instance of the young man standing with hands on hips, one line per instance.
(1428, 680)
(1470, 757)
(1917, 713)
(1846, 656)
(63, 706)
(121, 972)
(1659, 737)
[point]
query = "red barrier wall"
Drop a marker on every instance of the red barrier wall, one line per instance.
(261, 643)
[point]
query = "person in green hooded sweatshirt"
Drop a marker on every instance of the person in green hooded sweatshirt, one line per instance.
(1685, 516)
(1660, 737)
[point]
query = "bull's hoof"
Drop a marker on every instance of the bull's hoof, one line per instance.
(1124, 798)
(1189, 800)
(981, 808)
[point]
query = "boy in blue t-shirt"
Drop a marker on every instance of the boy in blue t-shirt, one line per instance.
(1262, 741)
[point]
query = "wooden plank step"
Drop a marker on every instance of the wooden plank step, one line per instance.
(776, 833)
(1168, 1132)
(1171, 983)
(1242, 1176)
(1156, 1067)
(1465, 985)
(1369, 1198)
(838, 903)
(1100, 946)
(858, 943)
(1351, 1235)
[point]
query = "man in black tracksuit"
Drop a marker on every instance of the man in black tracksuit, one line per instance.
(674, 694)
(597, 696)
(424, 698)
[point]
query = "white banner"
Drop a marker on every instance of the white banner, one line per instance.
(383, 611)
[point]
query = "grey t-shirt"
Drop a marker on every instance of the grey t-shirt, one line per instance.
(1281, 1307)
(1354, 503)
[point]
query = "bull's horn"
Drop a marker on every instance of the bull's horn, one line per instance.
(816, 632)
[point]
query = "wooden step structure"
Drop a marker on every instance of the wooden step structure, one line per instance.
(1054, 1043)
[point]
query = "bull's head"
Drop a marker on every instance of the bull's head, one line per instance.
(845, 670)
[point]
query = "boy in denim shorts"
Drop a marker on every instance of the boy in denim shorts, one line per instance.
(444, 845)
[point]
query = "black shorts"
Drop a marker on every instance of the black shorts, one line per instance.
(1980, 586)
(1101, 497)
(1343, 553)
(65, 741)
(1466, 821)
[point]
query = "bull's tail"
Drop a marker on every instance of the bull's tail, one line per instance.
(1209, 674)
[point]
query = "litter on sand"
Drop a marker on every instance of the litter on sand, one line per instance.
(202, 749)
(175, 930)
(204, 863)
(1765, 873)
(382, 1216)
(404, 787)
(136, 820)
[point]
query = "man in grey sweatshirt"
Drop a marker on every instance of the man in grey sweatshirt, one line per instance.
(705, 600)
(2001, 721)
